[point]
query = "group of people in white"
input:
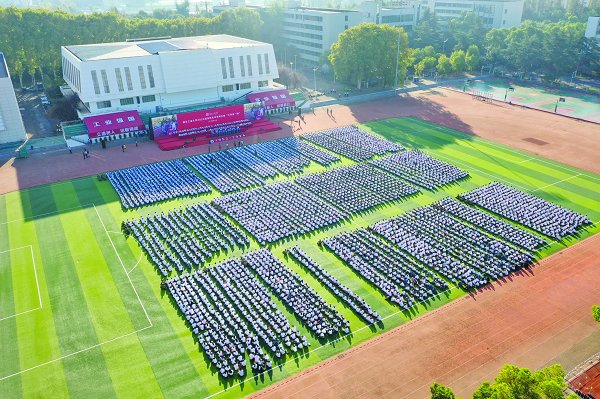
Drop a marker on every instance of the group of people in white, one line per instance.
(147, 184)
(186, 237)
(345, 294)
(232, 315)
(402, 280)
(352, 143)
(540, 215)
(463, 254)
(279, 210)
(357, 187)
(420, 169)
(490, 223)
(321, 318)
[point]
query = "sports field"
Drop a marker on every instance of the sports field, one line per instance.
(82, 313)
(584, 106)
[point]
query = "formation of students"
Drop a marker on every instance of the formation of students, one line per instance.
(463, 254)
(147, 184)
(185, 237)
(277, 211)
(320, 318)
(349, 298)
(357, 187)
(352, 142)
(540, 215)
(491, 224)
(401, 279)
(233, 317)
(421, 169)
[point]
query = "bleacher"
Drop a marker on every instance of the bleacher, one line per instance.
(174, 142)
(72, 129)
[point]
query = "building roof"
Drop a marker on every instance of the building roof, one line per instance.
(3, 67)
(106, 51)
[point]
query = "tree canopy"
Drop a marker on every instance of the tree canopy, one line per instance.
(368, 52)
(596, 313)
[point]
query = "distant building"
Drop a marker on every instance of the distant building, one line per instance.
(593, 28)
(494, 13)
(12, 129)
(156, 74)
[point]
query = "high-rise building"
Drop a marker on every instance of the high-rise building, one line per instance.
(12, 129)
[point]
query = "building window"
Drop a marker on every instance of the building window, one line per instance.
(267, 68)
(227, 88)
(242, 66)
(260, 66)
(142, 77)
(231, 73)
(345, 26)
(504, 22)
(346, 18)
(128, 78)
(244, 86)
(105, 81)
(119, 79)
(103, 104)
(263, 83)
(95, 80)
(505, 10)
(223, 68)
(249, 59)
(126, 101)
(150, 76)
(149, 99)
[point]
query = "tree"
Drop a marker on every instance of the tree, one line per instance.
(439, 391)
(444, 67)
(458, 62)
(239, 21)
(427, 32)
(465, 31)
(424, 65)
(495, 46)
(368, 52)
(183, 8)
(472, 57)
(596, 313)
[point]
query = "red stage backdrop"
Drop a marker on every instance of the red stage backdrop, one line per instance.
(116, 123)
(273, 99)
(202, 121)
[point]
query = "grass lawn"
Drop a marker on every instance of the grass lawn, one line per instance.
(82, 313)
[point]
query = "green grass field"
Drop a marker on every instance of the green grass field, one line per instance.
(82, 313)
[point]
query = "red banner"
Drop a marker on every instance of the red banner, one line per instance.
(111, 124)
(273, 99)
(204, 120)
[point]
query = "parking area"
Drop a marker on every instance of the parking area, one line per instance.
(37, 123)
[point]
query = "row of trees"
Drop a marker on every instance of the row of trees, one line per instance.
(427, 60)
(514, 382)
(31, 38)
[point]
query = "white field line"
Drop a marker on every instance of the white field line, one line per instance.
(123, 266)
(98, 344)
(73, 354)
(41, 305)
(138, 262)
(555, 183)
(450, 287)
(46, 214)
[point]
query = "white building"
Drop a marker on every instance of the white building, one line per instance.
(312, 31)
(155, 74)
(593, 28)
(494, 13)
(12, 129)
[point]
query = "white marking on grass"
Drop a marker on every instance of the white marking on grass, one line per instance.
(41, 305)
(526, 160)
(138, 262)
(73, 354)
(254, 376)
(123, 266)
(555, 183)
(98, 344)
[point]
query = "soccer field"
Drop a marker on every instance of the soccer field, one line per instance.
(82, 313)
